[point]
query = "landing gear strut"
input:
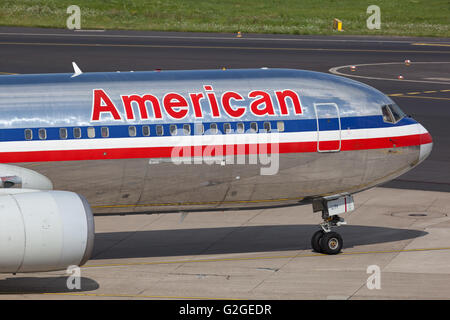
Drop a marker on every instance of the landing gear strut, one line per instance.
(325, 240)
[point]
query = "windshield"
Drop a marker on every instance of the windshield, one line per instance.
(392, 113)
(397, 112)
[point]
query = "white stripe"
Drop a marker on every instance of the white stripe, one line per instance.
(146, 142)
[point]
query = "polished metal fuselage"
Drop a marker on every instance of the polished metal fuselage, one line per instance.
(132, 185)
(157, 185)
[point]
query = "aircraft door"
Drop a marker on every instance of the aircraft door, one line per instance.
(328, 127)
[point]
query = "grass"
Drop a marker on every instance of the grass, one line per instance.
(400, 17)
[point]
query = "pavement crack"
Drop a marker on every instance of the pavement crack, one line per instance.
(201, 275)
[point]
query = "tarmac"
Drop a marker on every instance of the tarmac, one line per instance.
(263, 254)
(396, 243)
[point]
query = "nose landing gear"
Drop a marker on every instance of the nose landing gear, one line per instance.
(325, 240)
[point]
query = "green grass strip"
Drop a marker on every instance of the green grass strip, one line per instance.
(399, 17)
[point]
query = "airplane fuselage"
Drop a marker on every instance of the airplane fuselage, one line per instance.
(179, 140)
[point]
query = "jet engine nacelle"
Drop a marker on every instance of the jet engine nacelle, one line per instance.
(44, 231)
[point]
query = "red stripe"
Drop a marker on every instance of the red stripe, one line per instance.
(166, 152)
(425, 138)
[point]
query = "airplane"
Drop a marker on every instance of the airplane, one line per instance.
(176, 141)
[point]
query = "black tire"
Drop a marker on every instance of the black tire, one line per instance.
(315, 241)
(331, 243)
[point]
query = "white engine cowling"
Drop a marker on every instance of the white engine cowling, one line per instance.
(44, 231)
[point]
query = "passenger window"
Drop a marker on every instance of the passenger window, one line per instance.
(199, 128)
(226, 128)
(159, 130)
(266, 126)
(173, 130)
(28, 134)
(63, 133)
(253, 127)
(240, 127)
(213, 127)
(280, 126)
(132, 131)
(42, 134)
(91, 132)
(387, 116)
(145, 131)
(186, 129)
(105, 132)
(77, 133)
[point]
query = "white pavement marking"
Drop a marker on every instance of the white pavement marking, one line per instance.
(439, 79)
(335, 71)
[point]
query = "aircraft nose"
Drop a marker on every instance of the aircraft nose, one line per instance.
(426, 143)
(425, 150)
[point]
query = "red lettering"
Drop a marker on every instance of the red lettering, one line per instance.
(212, 102)
(195, 99)
(141, 101)
(264, 100)
(176, 105)
(281, 97)
(235, 113)
(102, 103)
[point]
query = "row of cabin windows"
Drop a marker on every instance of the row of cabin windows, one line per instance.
(173, 130)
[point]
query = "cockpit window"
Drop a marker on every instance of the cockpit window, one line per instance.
(387, 116)
(392, 113)
(396, 112)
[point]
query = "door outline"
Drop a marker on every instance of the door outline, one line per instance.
(318, 128)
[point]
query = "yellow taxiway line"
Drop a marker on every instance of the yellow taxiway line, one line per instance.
(416, 94)
(259, 258)
(114, 295)
(421, 97)
(431, 44)
(137, 296)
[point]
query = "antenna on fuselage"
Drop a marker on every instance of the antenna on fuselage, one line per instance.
(77, 71)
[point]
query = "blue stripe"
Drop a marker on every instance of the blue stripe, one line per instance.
(121, 131)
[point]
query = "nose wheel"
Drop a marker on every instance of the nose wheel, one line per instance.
(315, 241)
(327, 242)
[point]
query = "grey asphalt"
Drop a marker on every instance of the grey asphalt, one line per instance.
(262, 254)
